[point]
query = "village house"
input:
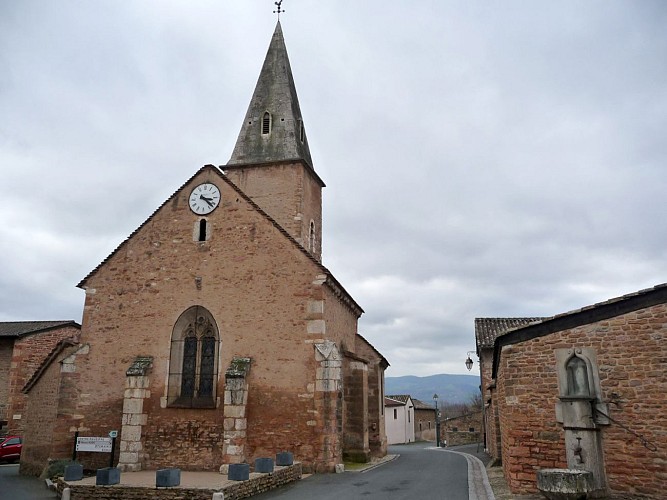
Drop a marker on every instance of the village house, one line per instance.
(214, 334)
(399, 419)
(584, 390)
(23, 347)
(424, 421)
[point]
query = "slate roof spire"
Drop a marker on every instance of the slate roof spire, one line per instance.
(273, 127)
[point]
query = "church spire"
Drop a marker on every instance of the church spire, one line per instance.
(273, 128)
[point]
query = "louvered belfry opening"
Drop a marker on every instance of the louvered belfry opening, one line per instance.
(266, 123)
(193, 362)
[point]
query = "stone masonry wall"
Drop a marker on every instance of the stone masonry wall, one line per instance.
(490, 407)
(457, 430)
(632, 358)
(256, 284)
(29, 352)
(41, 412)
(6, 350)
(258, 483)
(288, 193)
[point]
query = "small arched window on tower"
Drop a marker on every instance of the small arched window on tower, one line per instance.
(266, 123)
(311, 236)
(302, 132)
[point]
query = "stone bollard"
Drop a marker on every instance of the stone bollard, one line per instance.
(339, 468)
(264, 465)
(107, 476)
(284, 458)
(218, 495)
(238, 472)
(73, 472)
(165, 478)
(66, 494)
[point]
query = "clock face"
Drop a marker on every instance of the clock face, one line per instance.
(204, 198)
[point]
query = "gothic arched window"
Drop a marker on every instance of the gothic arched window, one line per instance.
(193, 362)
(577, 378)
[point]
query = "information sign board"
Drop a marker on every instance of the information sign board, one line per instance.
(94, 444)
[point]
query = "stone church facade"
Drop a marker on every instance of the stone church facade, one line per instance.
(583, 390)
(213, 334)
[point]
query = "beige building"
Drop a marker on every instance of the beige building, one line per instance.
(399, 416)
(214, 334)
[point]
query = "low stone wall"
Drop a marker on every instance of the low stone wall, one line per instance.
(258, 483)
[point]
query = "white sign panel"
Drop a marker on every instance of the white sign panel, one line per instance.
(95, 444)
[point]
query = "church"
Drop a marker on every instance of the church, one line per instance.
(213, 334)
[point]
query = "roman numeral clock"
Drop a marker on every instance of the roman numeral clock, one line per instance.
(204, 198)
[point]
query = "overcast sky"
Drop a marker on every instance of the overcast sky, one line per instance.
(481, 158)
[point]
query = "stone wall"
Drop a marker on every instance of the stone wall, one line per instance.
(632, 359)
(288, 193)
(258, 483)
(259, 286)
(40, 419)
(29, 352)
(6, 350)
(464, 429)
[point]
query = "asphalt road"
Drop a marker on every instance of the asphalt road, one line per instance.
(421, 472)
(16, 487)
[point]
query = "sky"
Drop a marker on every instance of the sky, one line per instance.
(482, 159)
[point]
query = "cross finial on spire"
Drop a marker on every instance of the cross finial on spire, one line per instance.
(278, 3)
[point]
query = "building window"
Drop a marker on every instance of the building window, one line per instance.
(429, 424)
(311, 236)
(193, 360)
(471, 429)
(420, 426)
(409, 417)
(302, 132)
(266, 123)
(395, 414)
(202, 230)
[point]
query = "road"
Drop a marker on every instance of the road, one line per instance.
(421, 472)
(16, 487)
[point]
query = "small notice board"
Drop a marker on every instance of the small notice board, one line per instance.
(95, 444)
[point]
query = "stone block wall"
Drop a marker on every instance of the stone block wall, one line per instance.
(258, 483)
(28, 354)
(465, 429)
(355, 445)
(632, 359)
(41, 412)
(6, 350)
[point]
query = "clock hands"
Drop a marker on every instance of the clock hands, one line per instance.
(209, 201)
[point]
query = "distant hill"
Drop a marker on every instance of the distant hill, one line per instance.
(449, 388)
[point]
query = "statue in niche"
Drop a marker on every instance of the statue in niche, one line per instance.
(577, 378)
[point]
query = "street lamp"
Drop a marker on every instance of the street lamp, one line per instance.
(437, 421)
(469, 361)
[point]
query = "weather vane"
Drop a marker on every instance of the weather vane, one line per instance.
(279, 9)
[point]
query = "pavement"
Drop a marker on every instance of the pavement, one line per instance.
(487, 482)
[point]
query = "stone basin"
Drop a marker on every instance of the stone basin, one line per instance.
(564, 484)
